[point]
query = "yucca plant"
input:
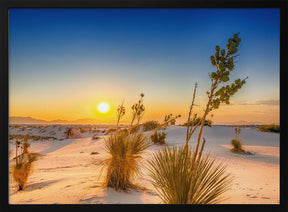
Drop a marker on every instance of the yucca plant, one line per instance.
(237, 146)
(150, 125)
(125, 149)
(158, 137)
(23, 166)
(169, 170)
(125, 157)
(236, 143)
(183, 177)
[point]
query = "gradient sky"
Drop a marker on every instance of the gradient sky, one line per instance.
(64, 62)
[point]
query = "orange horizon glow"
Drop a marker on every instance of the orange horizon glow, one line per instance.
(265, 114)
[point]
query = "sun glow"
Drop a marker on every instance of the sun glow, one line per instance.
(103, 107)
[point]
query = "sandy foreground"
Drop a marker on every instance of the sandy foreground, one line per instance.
(67, 172)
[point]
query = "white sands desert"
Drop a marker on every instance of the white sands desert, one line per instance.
(67, 172)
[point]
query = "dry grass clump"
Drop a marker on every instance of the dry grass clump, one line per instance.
(21, 173)
(236, 143)
(150, 125)
(123, 165)
(158, 137)
(23, 165)
(82, 129)
(237, 146)
(170, 170)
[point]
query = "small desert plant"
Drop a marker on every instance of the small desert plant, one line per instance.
(158, 138)
(120, 113)
(170, 172)
(137, 110)
(81, 129)
(123, 165)
(23, 165)
(150, 125)
(237, 146)
(236, 143)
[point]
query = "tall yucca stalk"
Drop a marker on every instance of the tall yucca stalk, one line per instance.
(125, 157)
(169, 170)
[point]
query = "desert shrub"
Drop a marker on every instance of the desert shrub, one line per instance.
(73, 132)
(158, 138)
(269, 128)
(237, 146)
(236, 143)
(81, 129)
(109, 131)
(125, 154)
(170, 171)
(20, 173)
(23, 166)
(197, 121)
(150, 125)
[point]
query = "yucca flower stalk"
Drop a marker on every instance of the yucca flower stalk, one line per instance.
(137, 110)
(120, 113)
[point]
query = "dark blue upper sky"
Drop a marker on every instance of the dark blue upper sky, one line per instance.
(149, 49)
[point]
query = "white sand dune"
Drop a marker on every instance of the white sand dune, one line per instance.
(67, 172)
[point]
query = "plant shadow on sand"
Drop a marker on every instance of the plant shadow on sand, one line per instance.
(262, 158)
(60, 144)
(34, 186)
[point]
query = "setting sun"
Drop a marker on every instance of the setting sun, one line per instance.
(103, 107)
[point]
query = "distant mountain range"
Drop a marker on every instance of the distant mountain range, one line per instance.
(30, 120)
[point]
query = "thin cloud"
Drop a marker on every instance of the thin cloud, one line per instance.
(259, 102)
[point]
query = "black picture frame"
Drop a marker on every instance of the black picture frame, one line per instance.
(6, 4)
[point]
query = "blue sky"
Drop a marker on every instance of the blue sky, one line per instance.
(74, 58)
